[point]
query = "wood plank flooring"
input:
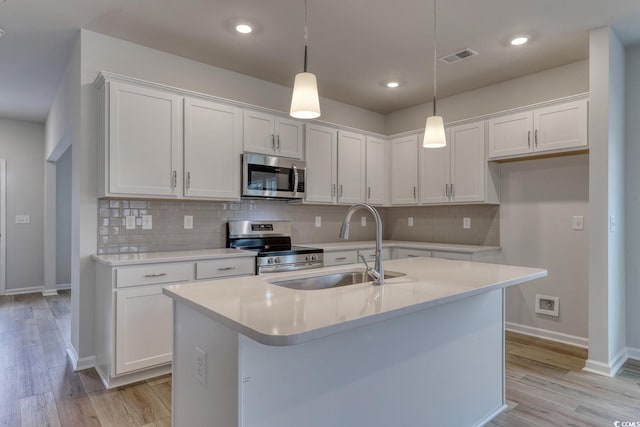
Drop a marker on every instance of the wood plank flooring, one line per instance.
(545, 382)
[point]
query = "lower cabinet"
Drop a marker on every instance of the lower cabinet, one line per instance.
(340, 257)
(399, 253)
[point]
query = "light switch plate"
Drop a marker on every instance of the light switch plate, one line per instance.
(201, 366)
(130, 222)
(147, 222)
(466, 222)
(188, 222)
(578, 222)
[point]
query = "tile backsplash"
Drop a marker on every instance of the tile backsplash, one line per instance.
(432, 224)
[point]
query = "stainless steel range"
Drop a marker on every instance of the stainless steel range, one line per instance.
(272, 241)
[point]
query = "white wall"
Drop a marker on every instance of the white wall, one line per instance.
(554, 83)
(63, 218)
(633, 196)
(538, 200)
(606, 201)
(22, 146)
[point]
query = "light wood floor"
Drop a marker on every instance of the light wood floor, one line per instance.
(545, 383)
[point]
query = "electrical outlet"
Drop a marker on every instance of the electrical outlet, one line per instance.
(363, 221)
(147, 222)
(612, 224)
(466, 222)
(548, 305)
(201, 366)
(130, 222)
(578, 223)
(23, 219)
(410, 221)
(188, 222)
(318, 221)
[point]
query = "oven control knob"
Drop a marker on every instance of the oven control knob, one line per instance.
(314, 257)
(269, 260)
(276, 260)
(307, 258)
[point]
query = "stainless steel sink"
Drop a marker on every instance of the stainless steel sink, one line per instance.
(331, 280)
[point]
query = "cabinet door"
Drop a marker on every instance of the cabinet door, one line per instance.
(212, 145)
(399, 253)
(351, 167)
(322, 159)
(376, 171)
(145, 138)
(404, 170)
(468, 163)
(435, 172)
(340, 257)
(511, 135)
(288, 138)
(259, 132)
(144, 322)
(561, 126)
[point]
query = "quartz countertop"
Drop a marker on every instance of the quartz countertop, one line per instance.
(366, 244)
(155, 257)
(279, 316)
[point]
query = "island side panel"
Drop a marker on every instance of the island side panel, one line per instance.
(216, 402)
(439, 366)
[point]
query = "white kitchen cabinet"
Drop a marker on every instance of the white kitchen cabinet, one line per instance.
(340, 257)
(370, 255)
(376, 170)
(321, 146)
(273, 135)
(399, 253)
(404, 170)
(336, 165)
(212, 148)
(435, 172)
(141, 146)
(351, 167)
(554, 128)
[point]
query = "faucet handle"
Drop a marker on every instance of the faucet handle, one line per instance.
(364, 260)
(370, 271)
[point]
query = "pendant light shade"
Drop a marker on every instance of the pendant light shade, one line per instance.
(304, 101)
(434, 136)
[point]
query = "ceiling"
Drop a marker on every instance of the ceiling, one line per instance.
(355, 46)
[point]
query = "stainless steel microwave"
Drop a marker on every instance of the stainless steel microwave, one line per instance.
(272, 177)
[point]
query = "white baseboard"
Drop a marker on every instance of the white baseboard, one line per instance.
(633, 353)
(547, 334)
(494, 414)
(63, 286)
(80, 364)
(607, 369)
(49, 292)
(27, 290)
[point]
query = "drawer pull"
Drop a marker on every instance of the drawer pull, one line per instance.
(413, 256)
(226, 268)
(155, 275)
(341, 258)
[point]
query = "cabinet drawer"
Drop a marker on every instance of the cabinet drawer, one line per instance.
(370, 254)
(154, 274)
(225, 267)
(411, 253)
(462, 256)
(340, 257)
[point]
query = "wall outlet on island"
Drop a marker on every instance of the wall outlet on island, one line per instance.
(548, 305)
(201, 366)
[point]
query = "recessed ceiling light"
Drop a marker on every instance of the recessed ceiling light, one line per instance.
(392, 85)
(2, 32)
(244, 28)
(520, 40)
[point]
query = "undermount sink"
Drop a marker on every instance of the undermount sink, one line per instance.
(334, 280)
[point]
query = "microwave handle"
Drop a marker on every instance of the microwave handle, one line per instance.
(295, 179)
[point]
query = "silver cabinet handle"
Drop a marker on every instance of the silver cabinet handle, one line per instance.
(414, 191)
(369, 193)
(155, 275)
(273, 142)
(413, 256)
(278, 142)
(535, 138)
(341, 258)
(174, 179)
(295, 179)
(453, 191)
(340, 194)
(446, 190)
(226, 268)
(188, 180)
(333, 190)
(529, 139)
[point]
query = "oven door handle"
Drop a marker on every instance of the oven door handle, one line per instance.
(295, 180)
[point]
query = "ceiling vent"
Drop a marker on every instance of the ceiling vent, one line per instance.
(459, 56)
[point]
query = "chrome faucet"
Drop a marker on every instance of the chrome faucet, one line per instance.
(377, 272)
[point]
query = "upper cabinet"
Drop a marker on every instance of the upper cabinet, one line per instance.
(143, 140)
(273, 135)
(404, 170)
(377, 165)
(351, 167)
(212, 148)
(156, 143)
(555, 128)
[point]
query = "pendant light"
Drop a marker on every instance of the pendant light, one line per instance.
(434, 136)
(304, 100)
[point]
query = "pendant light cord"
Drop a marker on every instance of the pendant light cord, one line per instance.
(435, 57)
(306, 36)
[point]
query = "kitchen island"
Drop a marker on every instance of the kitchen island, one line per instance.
(427, 348)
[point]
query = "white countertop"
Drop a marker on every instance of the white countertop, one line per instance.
(449, 247)
(279, 316)
(154, 257)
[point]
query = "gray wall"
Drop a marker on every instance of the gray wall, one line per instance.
(633, 197)
(63, 219)
(22, 146)
(539, 199)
